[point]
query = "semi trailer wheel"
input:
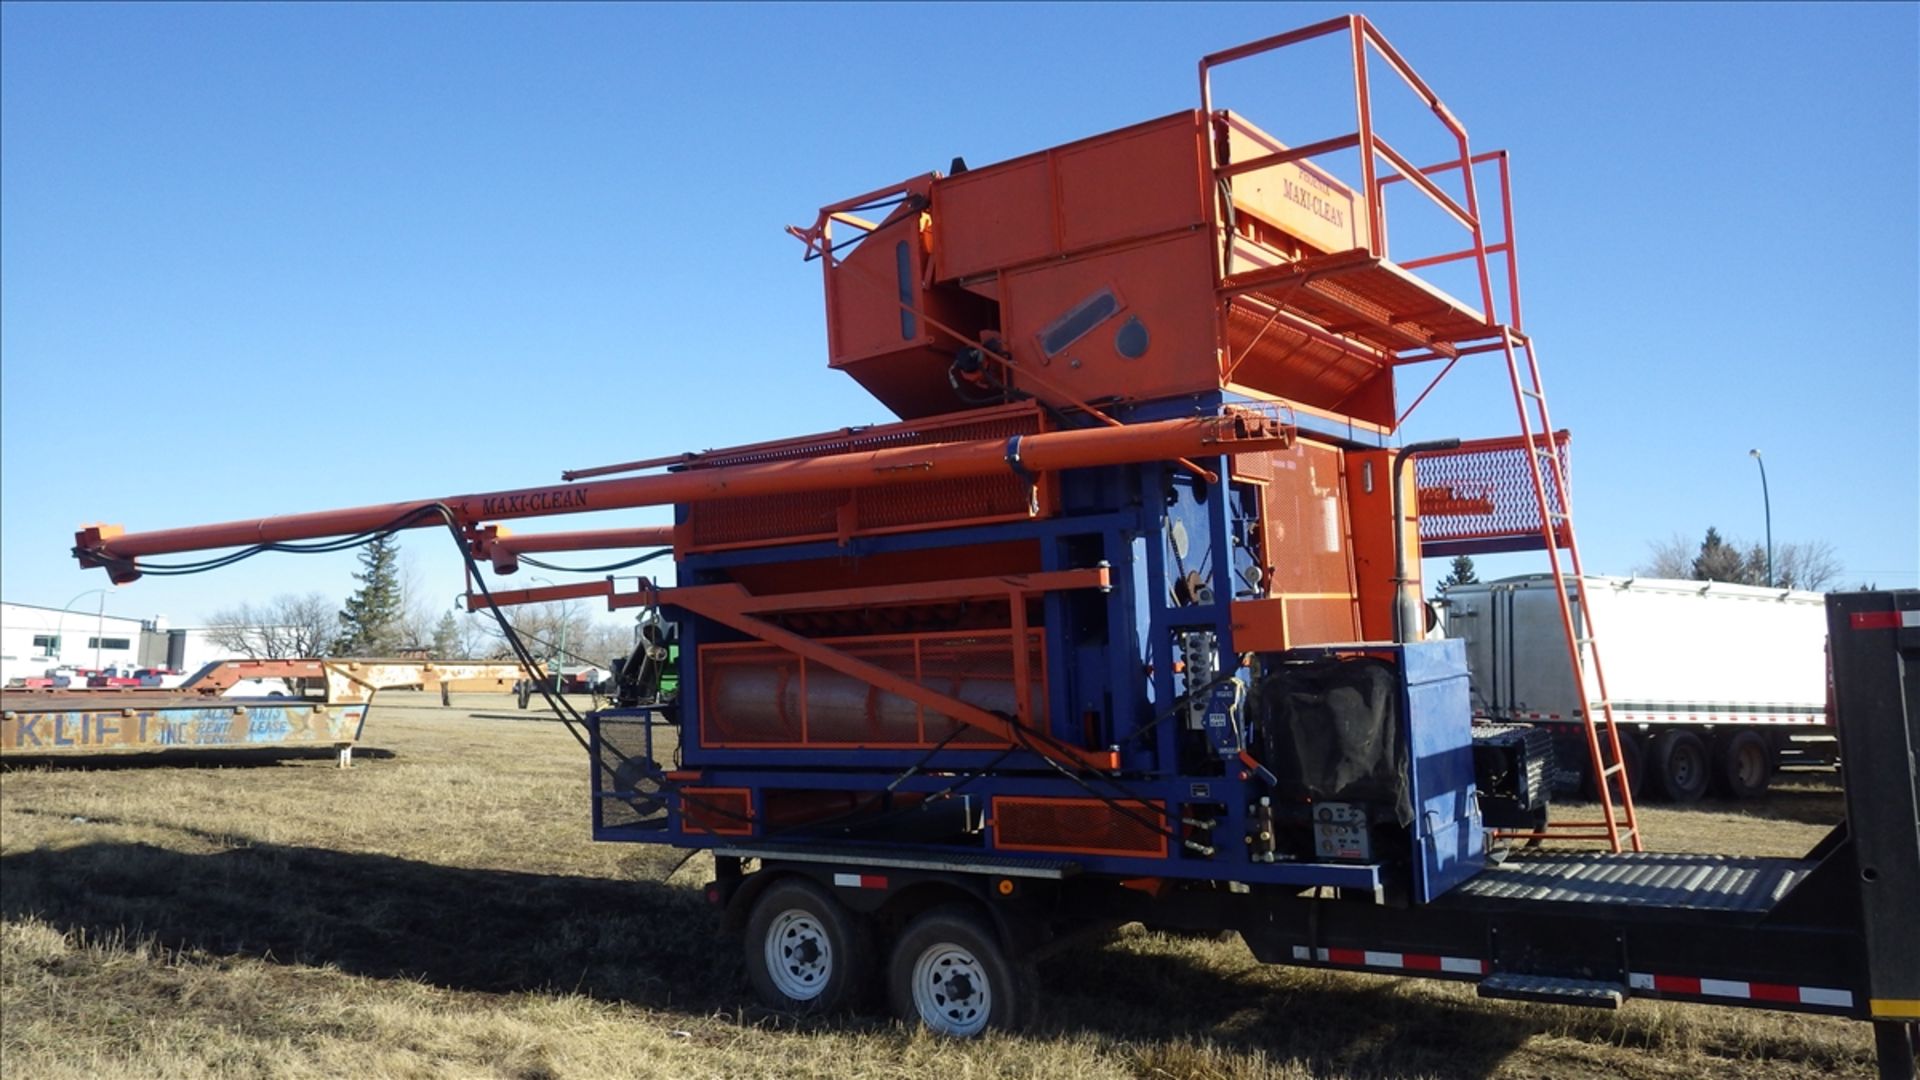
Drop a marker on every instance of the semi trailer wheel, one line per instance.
(1680, 768)
(949, 972)
(1743, 765)
(1629, 754)
(806, 953)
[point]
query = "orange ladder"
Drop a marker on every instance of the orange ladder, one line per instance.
(1617, 825)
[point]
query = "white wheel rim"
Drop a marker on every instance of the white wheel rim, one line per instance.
(799, 956)
(950, 991)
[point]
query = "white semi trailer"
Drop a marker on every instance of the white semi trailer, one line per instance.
(1714, 685)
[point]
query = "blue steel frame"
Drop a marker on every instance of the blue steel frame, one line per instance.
(1125, 676)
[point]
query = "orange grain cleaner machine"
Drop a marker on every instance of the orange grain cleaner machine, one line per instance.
(1133, 581)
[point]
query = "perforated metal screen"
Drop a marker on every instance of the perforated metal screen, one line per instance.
(1480, 498)
(762, 696)
(1090, 826)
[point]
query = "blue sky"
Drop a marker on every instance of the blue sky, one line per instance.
(265, 259)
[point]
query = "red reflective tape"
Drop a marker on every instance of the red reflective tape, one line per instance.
(1677, 984)
(1786, 995)
(1875, 620)
(1354, 957)
(1421, 962)
(860, 881)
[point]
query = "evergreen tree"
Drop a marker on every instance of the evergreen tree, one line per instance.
(1721, 561)
(1461, 573)
(446, 638)
(371, 624)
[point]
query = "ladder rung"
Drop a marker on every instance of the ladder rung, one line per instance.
(1534, 394)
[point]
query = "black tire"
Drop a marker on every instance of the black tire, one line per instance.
(1681, 767)
(805, 953)
(1742, 764)
(948, 947)
(1630, 755)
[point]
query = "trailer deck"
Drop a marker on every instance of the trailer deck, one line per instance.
(1638, 881)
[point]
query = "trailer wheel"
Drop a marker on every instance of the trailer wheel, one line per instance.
(1743, 765)
(1680, 765)
(1630, 755)
(949, 972)
(806, 953)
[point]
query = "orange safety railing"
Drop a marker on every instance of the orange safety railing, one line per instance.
(1367, 44)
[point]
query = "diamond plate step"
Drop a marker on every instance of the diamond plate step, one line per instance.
(1553, 990)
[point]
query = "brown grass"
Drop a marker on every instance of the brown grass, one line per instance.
(438, 911)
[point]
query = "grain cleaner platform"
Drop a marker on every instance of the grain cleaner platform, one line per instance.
(1121, 619)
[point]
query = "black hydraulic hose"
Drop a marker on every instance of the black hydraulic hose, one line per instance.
(1400, 530)
(1037, 742)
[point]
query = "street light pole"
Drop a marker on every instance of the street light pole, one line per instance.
(99, 626)
(1766, 501)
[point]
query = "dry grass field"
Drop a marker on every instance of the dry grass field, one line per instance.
(438, 911)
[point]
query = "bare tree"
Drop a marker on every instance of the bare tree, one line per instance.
(1669, 558)
(1812, 564)
(543, 628)
(418, 620)
(604, 643)
(283, 628)
(480, 638)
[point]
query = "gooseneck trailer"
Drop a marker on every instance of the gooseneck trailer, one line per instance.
(1120, 620)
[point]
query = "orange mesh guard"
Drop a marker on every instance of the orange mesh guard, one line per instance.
(1079, 826)
(762, 696)
(1479, 497)
(719, 811)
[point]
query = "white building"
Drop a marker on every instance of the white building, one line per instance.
(34, 640)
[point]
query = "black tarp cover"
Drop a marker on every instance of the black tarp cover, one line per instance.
(1331, 731)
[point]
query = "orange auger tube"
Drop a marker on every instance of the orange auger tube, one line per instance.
(505, 548)
(1161, 440)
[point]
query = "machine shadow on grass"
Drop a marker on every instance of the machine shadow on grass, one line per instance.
(386, 917)
(653, 945)
(1332, 1025)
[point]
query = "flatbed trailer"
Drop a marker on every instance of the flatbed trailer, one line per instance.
(1832, 933)
(327, 708)
(1119, 621)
